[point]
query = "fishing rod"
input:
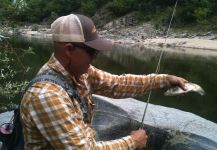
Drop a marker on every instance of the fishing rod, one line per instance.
(158, 65)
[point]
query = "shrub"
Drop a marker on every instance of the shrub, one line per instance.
(88, 7)
(120, 7)
(11, 66)
(201, 14)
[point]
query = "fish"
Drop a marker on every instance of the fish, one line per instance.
(190, 87)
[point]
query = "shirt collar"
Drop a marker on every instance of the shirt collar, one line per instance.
(54, 64)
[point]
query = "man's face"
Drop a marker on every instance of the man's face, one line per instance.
(80, 59)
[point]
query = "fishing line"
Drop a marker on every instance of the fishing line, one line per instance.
(158, 64)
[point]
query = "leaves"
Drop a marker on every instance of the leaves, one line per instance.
(11, 66)
(191, 11)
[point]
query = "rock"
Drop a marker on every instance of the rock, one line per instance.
(112, 121)
(166, 118)
(211, 37)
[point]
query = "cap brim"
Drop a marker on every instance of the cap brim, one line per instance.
(100, 44)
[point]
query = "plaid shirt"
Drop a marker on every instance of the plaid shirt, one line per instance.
(51, 120)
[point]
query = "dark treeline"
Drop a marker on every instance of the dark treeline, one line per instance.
(34, 11)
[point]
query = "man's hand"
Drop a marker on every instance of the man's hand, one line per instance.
(175, 81)
(140, 137)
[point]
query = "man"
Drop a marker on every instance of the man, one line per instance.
(52, 120)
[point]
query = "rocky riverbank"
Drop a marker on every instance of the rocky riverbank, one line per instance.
(142, 34)
(145, 34)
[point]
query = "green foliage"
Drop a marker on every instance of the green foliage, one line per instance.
(12, 10)
(201, 13)
(195, 11)
(88, 7)
(11, 66)
(6, 9)
(20, 6)
(37, 10)
(185, 15)
(163, 17)
(120, 7)
(187, 12)
(153, 6)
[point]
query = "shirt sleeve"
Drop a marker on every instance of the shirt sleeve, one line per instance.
(126, 85)
(60, 121)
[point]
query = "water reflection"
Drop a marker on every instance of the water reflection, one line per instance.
(194, 67)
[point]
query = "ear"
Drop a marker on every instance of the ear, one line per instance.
(68, 48)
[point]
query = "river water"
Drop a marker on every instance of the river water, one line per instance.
(197, 68)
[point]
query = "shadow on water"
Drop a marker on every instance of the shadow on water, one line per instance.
(138, 60)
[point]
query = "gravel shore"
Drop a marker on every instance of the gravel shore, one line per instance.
(143, 34)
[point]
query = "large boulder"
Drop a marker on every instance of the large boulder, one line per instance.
(165, 117)
(167, 128)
